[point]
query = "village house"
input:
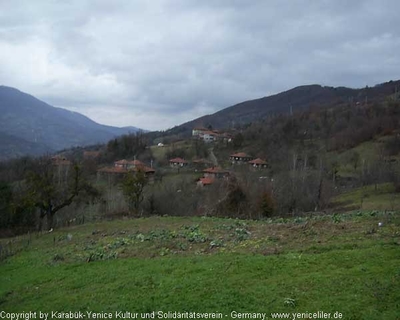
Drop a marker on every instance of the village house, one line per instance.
(205, 182)
(206, 135)
(197, 131)
(258, 163)
(240, 157)
(128, 164)
(215, 173)
(225, 137)
(178, 162)
(121, 167)
(211, 174)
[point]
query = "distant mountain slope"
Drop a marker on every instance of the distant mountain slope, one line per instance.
(31, 126)
(295, 99)
(12, 147)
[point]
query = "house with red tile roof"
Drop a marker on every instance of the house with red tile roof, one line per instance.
(205, 182)
(198, 130)
(211, 174)
(128, 164)
(206, 135)
(216, 172)
(240, 157)
(178, 162)
(121, 170)
(122, 167)
(258, 163)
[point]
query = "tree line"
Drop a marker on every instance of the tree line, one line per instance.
(306, 151)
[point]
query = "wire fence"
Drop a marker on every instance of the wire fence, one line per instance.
(9, 247)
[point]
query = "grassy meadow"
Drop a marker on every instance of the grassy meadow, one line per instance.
(334, 263)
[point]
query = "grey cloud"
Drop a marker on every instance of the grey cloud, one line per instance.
(163, 62)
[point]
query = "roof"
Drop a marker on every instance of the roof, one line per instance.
(123, 161)
(209, 132)
(240, 155)
(206, 181)
(215, 170)
(129, 162)
(258, 161)
(136, 163)
(113, 170)
(123, 170)
(200, 129)
(144, 168)
(178, 160)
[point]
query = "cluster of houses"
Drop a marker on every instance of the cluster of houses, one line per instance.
(210, 172)
(181, 163)
(121, 167)
(241, 157)
(208, 135)
(214, 173)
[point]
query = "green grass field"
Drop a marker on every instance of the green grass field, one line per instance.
(379, 197)
(159, 153)
(340, 263)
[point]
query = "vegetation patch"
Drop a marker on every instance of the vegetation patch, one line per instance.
(210, 264)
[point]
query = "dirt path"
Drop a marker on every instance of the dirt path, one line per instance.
(213, 157)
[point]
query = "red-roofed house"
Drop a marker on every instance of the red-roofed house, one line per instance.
(215, 172)
(178, 162)
(240, 157)
(205, 182)
(128, 164)
(122, 167)
(258, 163)
(210, 174)
(197, 131)
(206, 135)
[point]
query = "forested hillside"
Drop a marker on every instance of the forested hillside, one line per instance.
(313, 157)
(297, 99)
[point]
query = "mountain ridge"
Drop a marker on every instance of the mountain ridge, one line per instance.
(49, 128)
(295, 99)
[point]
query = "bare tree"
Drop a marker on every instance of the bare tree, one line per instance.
(50, 191)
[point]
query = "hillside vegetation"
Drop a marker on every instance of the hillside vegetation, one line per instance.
(313, 157)
(294, 100)
(121, 228)
(316, 263)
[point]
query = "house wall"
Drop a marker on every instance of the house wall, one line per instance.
(208, 137)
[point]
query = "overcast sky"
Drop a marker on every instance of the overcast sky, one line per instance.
(158, 63)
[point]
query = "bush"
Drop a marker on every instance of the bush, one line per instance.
(266, 205)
